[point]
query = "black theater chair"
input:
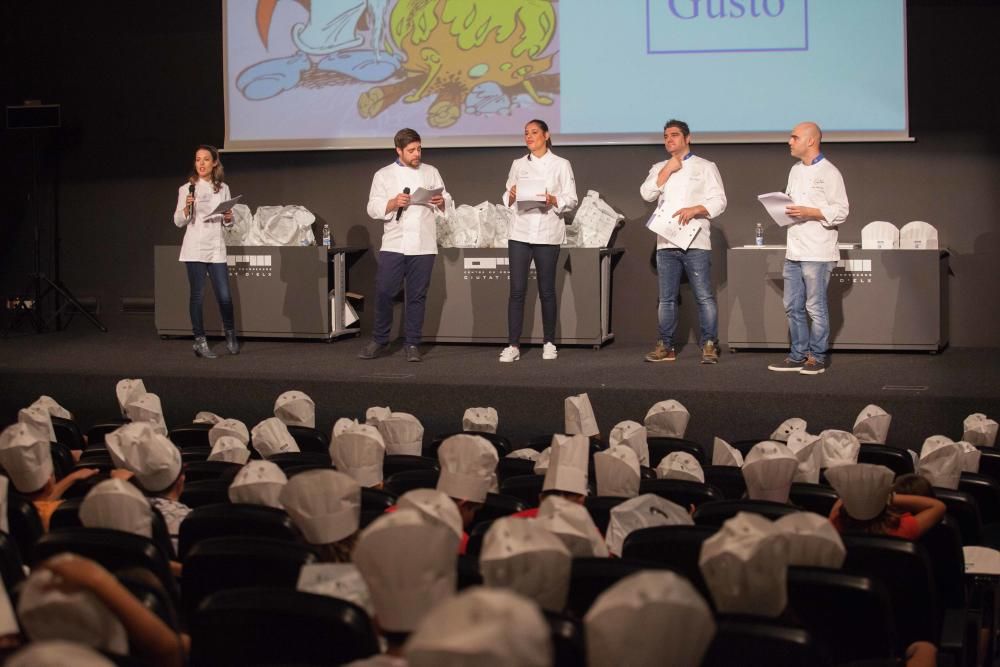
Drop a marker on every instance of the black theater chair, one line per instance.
(67, 515)
(589, 577)
(568, 646)
(896, 459)
(986, 491)
(195, 454)
(989, 462)
(717, 513)
(675, 547)
(234, 520)
(501, 443)
(407, 480)
(476, 535)
(195, 471)
(286, 460)
(96, 433)
(661, 446)
(468, 571)
(727, 479)
(741, 640)
(11, 565)
(682, 492)
(25, 526)
(310, 439)
(205, 492)
(68, 432)
(508, 467)
(190, 435)
(498, 505)
(818, 498)
(62, 459)
(374, 503)
(600, 508)
(394, 463)
(962, 507)
(525, 488)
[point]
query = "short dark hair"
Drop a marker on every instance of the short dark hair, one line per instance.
(680, 125)
(912, 484)
(405, 137)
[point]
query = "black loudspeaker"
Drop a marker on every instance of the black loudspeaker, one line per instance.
(33, 116)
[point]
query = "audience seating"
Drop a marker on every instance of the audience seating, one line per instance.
(568, 645)
(468, 571)
(11, 565)
(718, 512)
(818, 498)
(96, 433)
(394, 463)
(81, 487)
(285, 460)
(151, 594)
(743, 640)
(963, 509)
(986, 491)
(67, 515)
(195, 454)
(661, 446)
(600, 509)
(989, 462)
(498, 505)
(270, 626)
(589, 577)
(190, 435)
(682, 492)
(234, 520)
(501, 443)
(195, 471)
(407, 480)
(68, 432)
(374, 503)
(310, 439)
(727, 479)
(674, 547)
(896, 459)
(514, 468)
(62, 460)
(205, 492)
(25, 526)
(526, 488)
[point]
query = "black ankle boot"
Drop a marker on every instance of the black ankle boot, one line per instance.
(201, 348)
(232, 342)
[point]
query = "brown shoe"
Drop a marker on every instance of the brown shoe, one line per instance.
(661, 353)
(710, 353)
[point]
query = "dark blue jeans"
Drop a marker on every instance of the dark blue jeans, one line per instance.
(697, 264)
(546, 257)
(394, 271)
(219, 275)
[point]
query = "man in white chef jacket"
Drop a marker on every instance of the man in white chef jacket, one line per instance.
(820, 205)
(409, 242)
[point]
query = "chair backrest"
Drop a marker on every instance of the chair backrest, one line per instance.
(195, 454)
(661, 446)
(850, 616)
(96, 454)
(380, 499)
(62, 459)
(896, 459)
(11, 565)
(718, 512)
(151, 595)
(943, 543)
(758, 641)
(24, 523)
(568, 646)
(989, 462)
(589, 577)
(286, 460)
(310, 439)
(67, 432)
(508, 467)
(468, 571)
(728, 479)
(205, 492)
(963, 509)
(477, 533)
(234, 520)
(257, 626)
(67, 515)
(223, 563)
(526, 488)
(407, 480)
(195, 471)
(986, 491)
(744, 446)
(600, 508)
(904, 569)
(675, 547)
(498, 505)
(394, 463)
(190, 435)
(81, 487)
(818, 498)
(682, 492)
(501, 443)
(96, 433)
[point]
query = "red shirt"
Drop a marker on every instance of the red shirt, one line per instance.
(908, 527)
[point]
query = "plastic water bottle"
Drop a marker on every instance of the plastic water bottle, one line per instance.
(326, 235)
(758, 235)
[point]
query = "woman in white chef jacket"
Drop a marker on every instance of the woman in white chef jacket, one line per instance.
(536, 232)
(204, 248)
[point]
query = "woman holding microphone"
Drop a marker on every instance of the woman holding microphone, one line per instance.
(536, 232)
(204, 248)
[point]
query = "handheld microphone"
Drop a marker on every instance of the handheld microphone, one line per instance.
(191, 192)
(399, 211)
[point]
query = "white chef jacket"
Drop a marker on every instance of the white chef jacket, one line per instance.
(542, 225)
(697, 182)
(819, 185)
(415, 233)
(203, 241)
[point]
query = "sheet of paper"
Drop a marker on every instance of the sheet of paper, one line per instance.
(530, 193)
(227, 205)
(669, 228)
(774, 203)
(422, 196)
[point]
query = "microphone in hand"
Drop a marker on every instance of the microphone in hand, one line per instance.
(399, 211)
(190, 207)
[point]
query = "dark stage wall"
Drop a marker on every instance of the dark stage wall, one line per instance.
(141, 85)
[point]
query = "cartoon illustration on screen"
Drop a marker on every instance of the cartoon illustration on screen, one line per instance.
(463, 57)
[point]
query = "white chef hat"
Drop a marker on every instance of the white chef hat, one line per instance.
(680, 465)
(568, 465)
(745, 566)
(39, 418)
(295, 408)
(838, 448)
(617, 472)
(271, 437)
(643, 511)
(579, 416)
(806, 448)
(233, 428)
(206, 417)
(139, 448)
(57, 653)
(872, 425)
(468, 464)
(941, 462)
(434, 506)
(258, 483)
(633, 434)
(918, 235)
(409, 563)
(128, 390)
(572, 524)
(375, 414)
(26, 456)
(812, 540)
(343, 424)
(543, 461)
(342, 581)
(359, 451)
(324, 504)
(48, 612)
(522, 555)
(230, 449)
(667, 419)
(787, 427)
(484, 420)
(650, 618)
(402, 432)
(879, 235)
(118, 505)
(525, 453)
(482, 627)
(769, 470)
(147, 408)
(863, 488)
(979, 430)
(724, 454)
(50, 405)
(970, 456)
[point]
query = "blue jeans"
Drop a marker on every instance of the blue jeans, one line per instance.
(218, 273)
(697, 264)
(546, 258)
(805, 292)
(394, 270)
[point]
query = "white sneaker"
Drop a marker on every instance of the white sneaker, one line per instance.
(549, 352)
(509, 354)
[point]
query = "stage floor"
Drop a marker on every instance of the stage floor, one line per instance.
(739, 398)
